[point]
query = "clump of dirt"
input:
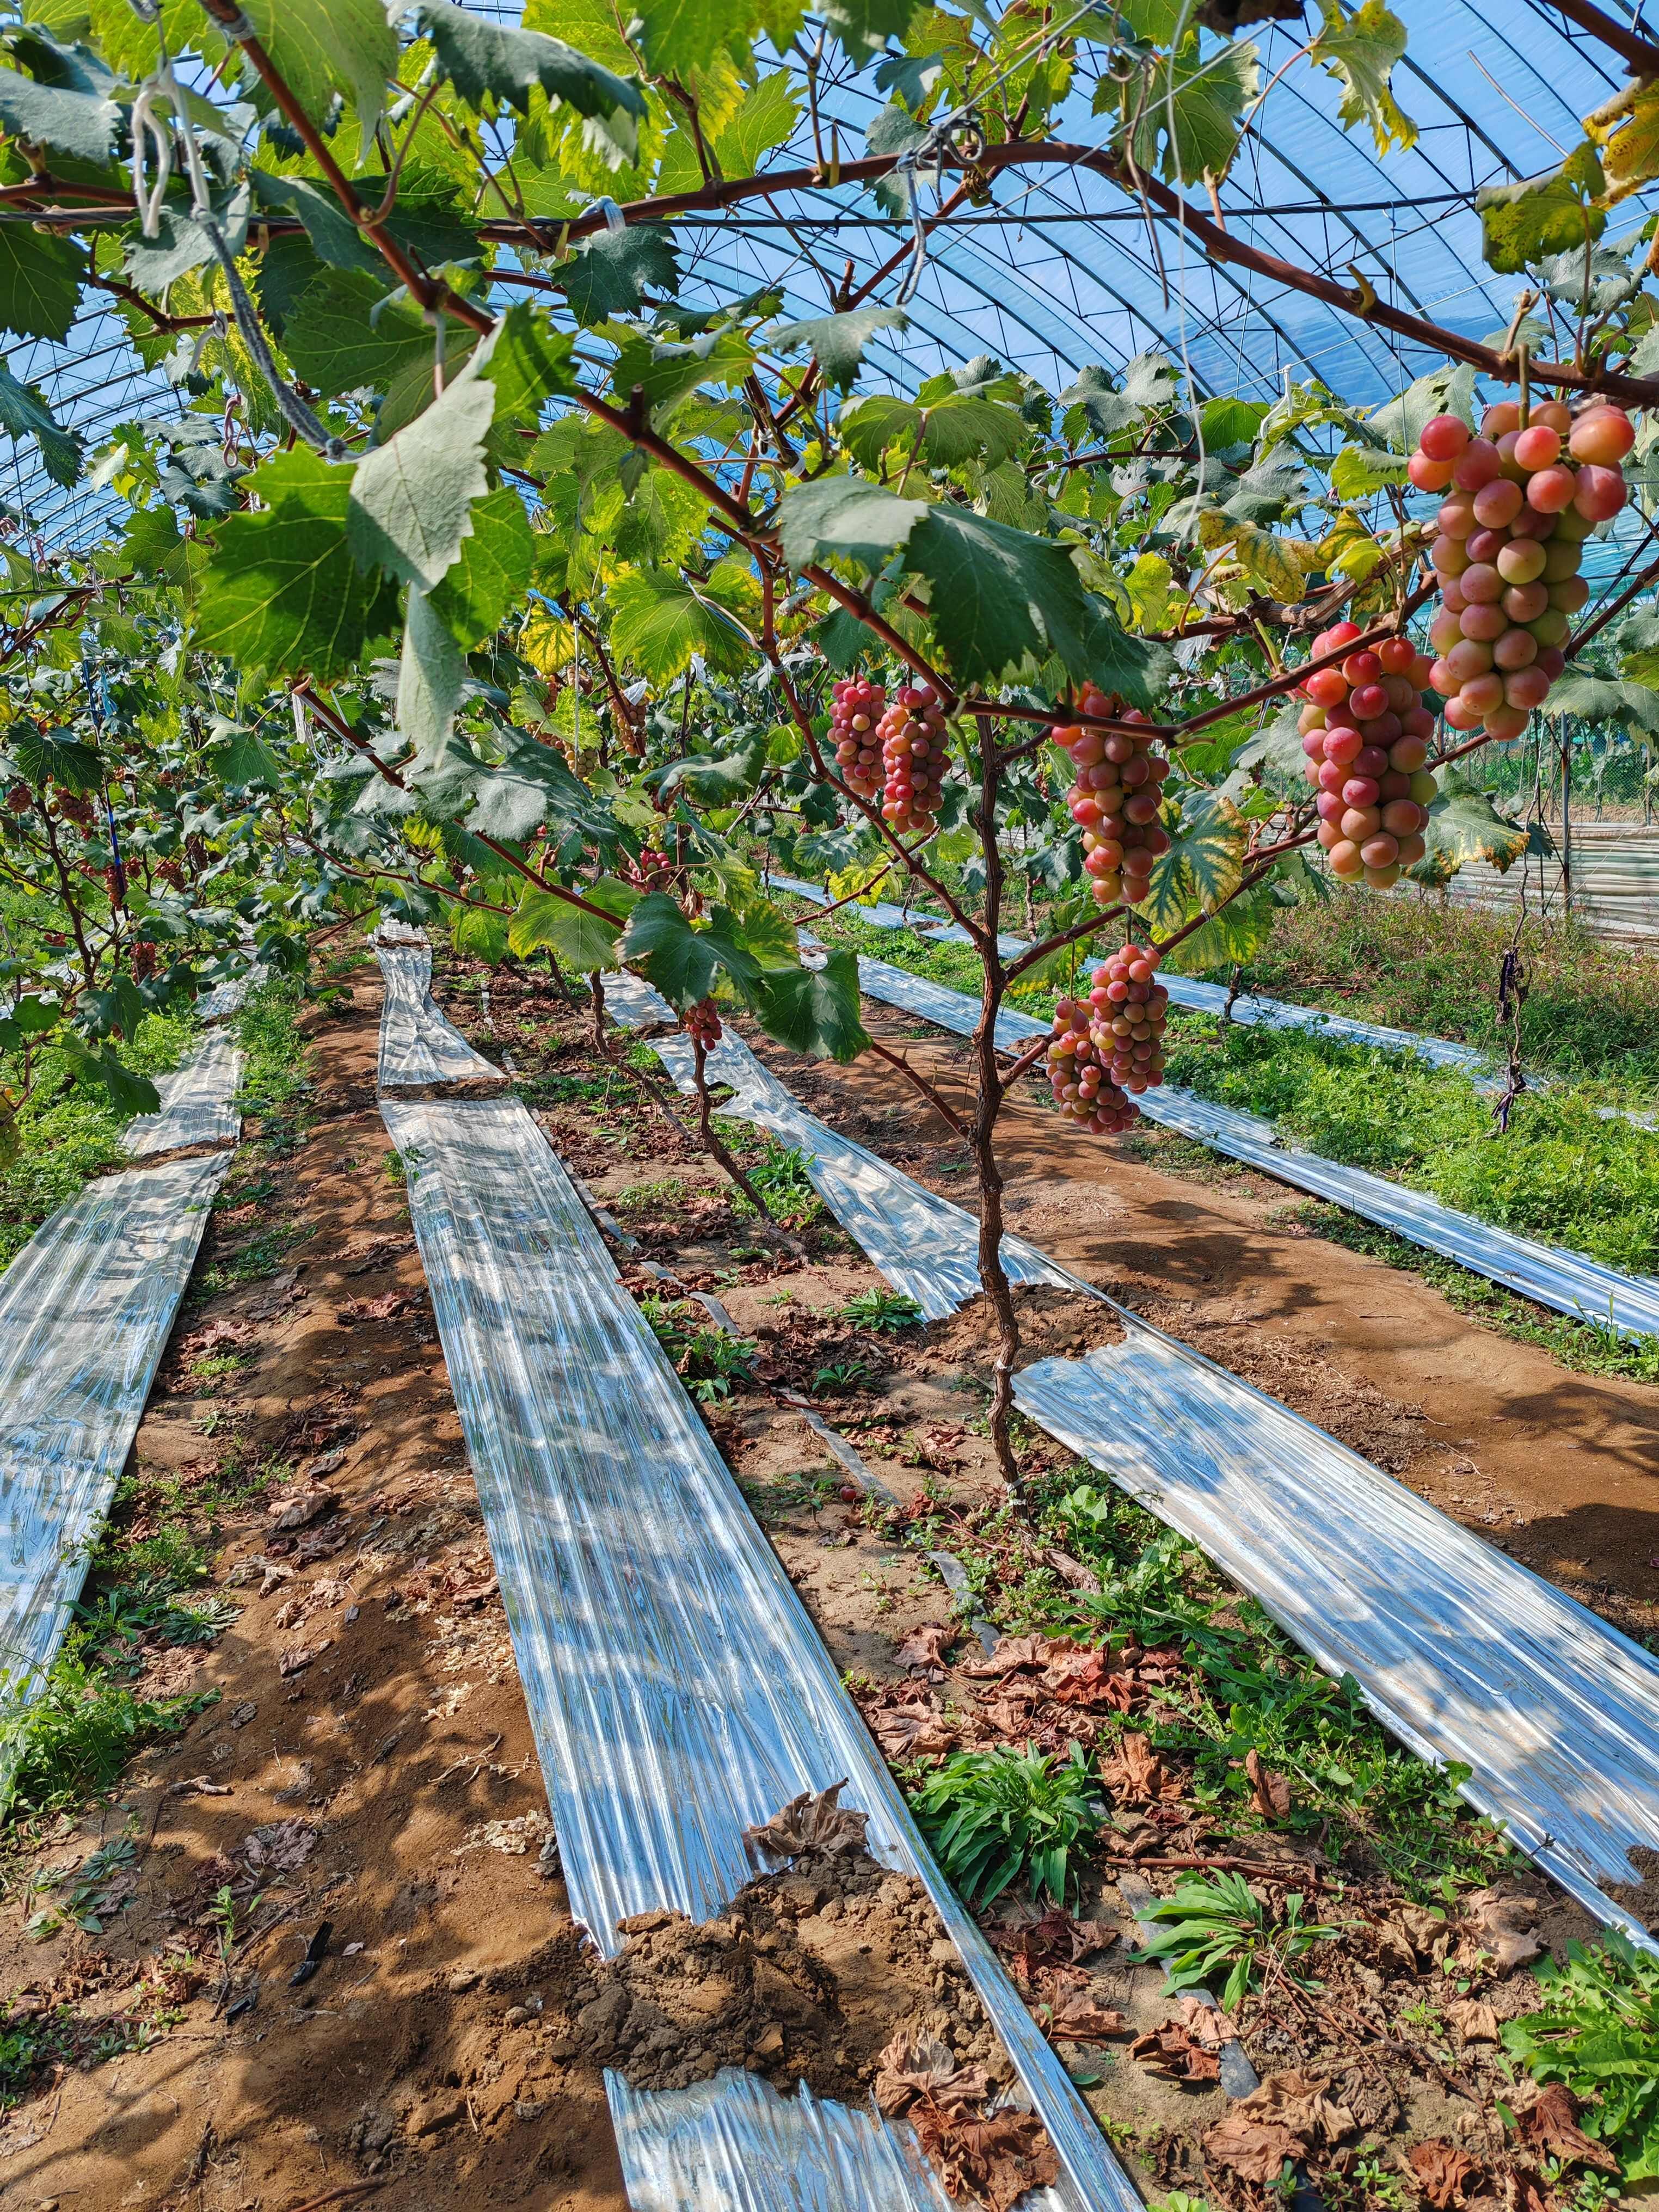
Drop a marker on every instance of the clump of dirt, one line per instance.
(1054, 1324)
(1641, 1897)
(807, 1975)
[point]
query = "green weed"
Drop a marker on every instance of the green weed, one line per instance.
(780, 1177)
(1208, 1927)
(706, 1359)
(1597, 2031)
(882, 1309)
(76, 1734)
(991, 1817)
(840, 1375)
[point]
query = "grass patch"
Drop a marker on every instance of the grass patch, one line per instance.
(1417, 964)
(75, 1736)
(991, 1817)
(1561, 1173)
(66, 1134)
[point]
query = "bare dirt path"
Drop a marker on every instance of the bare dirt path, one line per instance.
(1560, 1468)
(368, 1764)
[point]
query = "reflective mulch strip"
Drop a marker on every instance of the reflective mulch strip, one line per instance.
(85, 1311)
(734, 2141)
(227, 999)
(1465, 1656)
(1569, 1282)
(922, 1245)
(198, 1102)
(418, 1045)
(677, 1690)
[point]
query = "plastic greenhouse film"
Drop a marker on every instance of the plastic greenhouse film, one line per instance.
(1569, 1282)
(418, 1046)
(1464, 1655)
(227, 999)
(624, 1552)
(198, 1102)
(85, 1311)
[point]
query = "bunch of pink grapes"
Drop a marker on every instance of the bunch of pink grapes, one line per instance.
(1108, 1047)
(1365, 731)
(1520, 504)
(703, 1021)
(1114, 800)
(914, 757)
(856, 708)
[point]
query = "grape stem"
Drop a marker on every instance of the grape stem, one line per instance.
(718, 1151)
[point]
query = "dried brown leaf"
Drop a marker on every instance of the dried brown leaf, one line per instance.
(280, 1847)
(1270, 1793)
(1499, 1921)
(1013, 1653)
(1175, 2052)
(919, 2068)
(1080, 2019)
(294, 1508)
(1474, 2021)
(1288, 2116)
(1135, 1774)
(811, 1822)
(922, 1650)
(1547, 2120)
(1443, 2172)
(991, 2160)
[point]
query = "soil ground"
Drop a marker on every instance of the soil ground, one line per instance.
(1561, 1470)
(369, 1762)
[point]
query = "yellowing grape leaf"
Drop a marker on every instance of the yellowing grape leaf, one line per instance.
(1551, 212)
(1626, 129)
(1280, 566)
(1360, 51)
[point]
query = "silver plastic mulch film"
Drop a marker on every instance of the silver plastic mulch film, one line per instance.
(927, 1250)
(625, 1553)
(418, 1045)
(198, 1102)
(733, 2141)
(1569, 1282)
(1464, 1655)
(85, 1311)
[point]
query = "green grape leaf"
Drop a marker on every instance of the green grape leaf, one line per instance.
(764, 119)
(412, 500)
(1150, 380)
(431, 680)
(491, 574)
(836, 342)
(128, 1094)
(668, 374)
(955, 429)
(65, 104)
(152, 544)
(659, 623)
(1551, 212)
(1448, 391)
(40, 277)
(863, 24)
(1357, 471)
(44, 756)
(684, 36)
(1234, 931)
(24, 414)
(1360, 51)
(845, 517)
(482, 60)
(36, 1016)
(1627, 701)
(320, 47)
(814, 1010)
(1186, 109)
(1463, 825)
(679, 961)
(609, 273)
(578, 941)
(281, 593)
(333, 235)
(243, 758)
(717, 780)
(335, 347)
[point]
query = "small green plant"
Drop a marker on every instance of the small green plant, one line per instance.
(394, 1170)
(992, 1816)
(843, 1375)
(1211, 1926)
(1597, 2032)
(22, 2050)
(77, 1733)
(883, 1310)
(84, 1902)
(706, 1359)
(780, 1177)
(220, 1916)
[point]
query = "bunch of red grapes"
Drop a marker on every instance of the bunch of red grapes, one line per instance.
(857, 706)
(701, 1022)
(915, 756)
(1108, 1047)
(1366, 732)
(1520, 504)
(1114, 800)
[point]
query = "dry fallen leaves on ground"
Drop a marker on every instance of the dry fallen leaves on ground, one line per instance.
(1443, 2173)
(1546, 2120)
(990, 2157)
(1135, 1775)
(1289, 2116)
(922, 1651)
(811, 1822)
